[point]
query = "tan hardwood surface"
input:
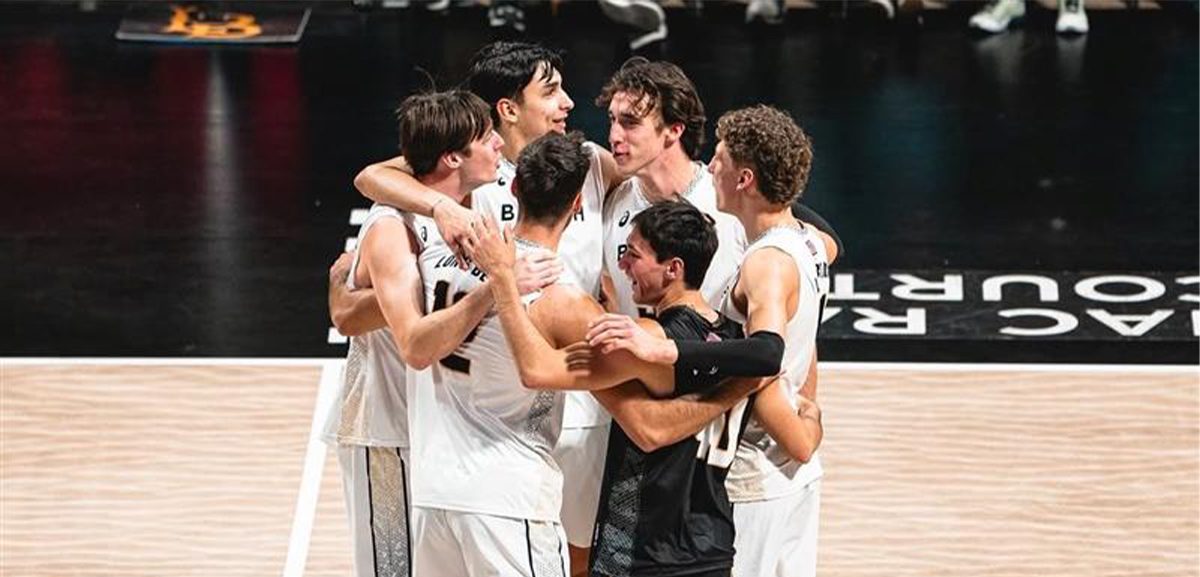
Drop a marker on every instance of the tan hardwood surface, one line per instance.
(195, 470)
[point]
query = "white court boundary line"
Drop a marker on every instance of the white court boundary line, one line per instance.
(1006, 367)
(173, 361)
(314, 469)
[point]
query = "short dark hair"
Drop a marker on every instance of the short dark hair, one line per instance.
(504, 69)
(664, 87)
(550, 172)
(767, 141)
(676, 228)
(434, 123)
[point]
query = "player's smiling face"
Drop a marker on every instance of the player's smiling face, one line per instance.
(636, 136)
(544, 106)
(640, 264)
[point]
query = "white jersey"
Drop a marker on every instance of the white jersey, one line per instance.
(372, 407)
(482, 441)
(578, 249)
(762, 469)
(628, 200)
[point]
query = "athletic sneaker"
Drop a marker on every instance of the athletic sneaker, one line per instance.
(506, 15)
(770, 11)
(997, 15)
(1071, 17)
(645, 16)
(886, 8)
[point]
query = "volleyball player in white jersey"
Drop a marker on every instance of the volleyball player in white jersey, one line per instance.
(761, 164)
(487, 490)
(656, 132)
(449, 138)
(523, 84)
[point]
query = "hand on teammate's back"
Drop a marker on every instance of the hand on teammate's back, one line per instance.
(339, 271)
(612, 332)
(579, 358)
(494, 250)
(537, 270)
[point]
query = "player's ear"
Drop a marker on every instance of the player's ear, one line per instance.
(746, 178)
(674, 132)
(508, 110)
(675, 269)
(577, 204)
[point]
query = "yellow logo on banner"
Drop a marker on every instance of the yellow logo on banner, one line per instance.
(194, 23)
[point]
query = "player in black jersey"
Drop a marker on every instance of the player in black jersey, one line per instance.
(664, 511)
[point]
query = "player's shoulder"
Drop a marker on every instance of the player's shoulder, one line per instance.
(651, 326)
(621, 196)
(566, 294)
(385, 219)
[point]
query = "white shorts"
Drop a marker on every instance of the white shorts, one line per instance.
(375, 483)
(580, 454)
(457, 544)
(778, 537)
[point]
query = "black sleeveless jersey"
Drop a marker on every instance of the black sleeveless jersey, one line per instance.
(666, 513)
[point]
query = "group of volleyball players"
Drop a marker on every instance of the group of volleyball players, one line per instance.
(572, 359)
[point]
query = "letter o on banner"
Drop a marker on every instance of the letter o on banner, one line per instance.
(1088, 288)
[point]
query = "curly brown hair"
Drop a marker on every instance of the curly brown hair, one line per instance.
(767, 141)
(664, 87)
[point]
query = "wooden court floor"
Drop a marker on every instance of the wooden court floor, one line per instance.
(198, 468)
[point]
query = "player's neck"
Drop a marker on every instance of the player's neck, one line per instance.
(758, 220)
(679, 295)
(668, 176)
(514, 143)
(447, 183)
(546, 236)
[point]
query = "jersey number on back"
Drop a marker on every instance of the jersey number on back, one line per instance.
(719, 440)
(441, 292)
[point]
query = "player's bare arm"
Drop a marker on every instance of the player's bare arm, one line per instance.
(539, 337)
(391, 182)
(797, 431)
(655, 423)
(770, 298)
(391, 263)
(356, 312)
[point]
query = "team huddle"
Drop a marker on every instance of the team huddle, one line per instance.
(567, 359)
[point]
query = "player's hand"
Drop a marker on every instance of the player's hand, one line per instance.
(537, 270)
(611, 332)
(339, 271)
(457, 224)
(579, 357)
(494, 250)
